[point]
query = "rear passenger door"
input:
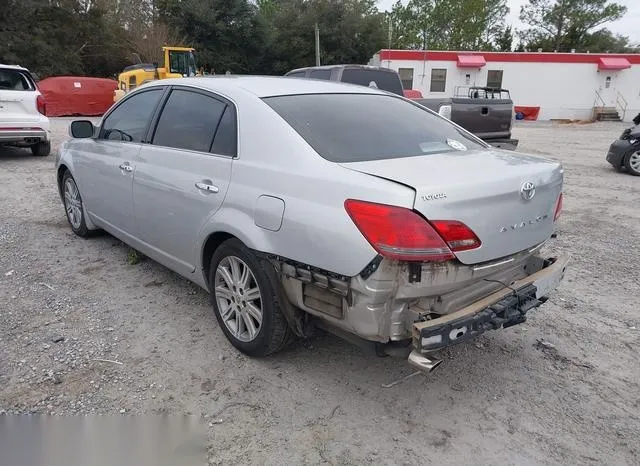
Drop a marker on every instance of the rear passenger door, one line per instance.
(182, 177)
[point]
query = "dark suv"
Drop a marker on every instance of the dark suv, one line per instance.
(382, 78)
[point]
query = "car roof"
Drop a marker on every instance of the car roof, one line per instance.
(333, 67)
(266, 86)
(13, 67)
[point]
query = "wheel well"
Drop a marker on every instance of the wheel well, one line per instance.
(213, 242)
(61, 171)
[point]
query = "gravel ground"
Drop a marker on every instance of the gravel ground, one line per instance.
(84, 331)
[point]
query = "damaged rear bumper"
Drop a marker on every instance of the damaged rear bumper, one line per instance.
(502, 309)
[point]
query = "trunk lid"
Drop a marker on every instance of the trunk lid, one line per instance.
(486, 190)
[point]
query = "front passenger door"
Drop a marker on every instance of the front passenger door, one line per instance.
(106, 166)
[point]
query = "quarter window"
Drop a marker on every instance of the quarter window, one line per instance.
(226, 138)
(438, 80)
(188, 121)
(128, 122)
(494, 79)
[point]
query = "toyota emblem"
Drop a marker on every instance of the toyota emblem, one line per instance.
(528, 190)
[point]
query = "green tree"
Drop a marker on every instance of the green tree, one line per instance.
(449, 24)
(351, 31)
(228, 34)
(563, 25)
(504, 40)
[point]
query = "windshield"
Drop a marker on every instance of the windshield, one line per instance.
(360, 127)
(183, 63)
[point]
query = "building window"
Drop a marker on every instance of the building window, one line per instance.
(438, 80)
(494, 79)
(406, 76)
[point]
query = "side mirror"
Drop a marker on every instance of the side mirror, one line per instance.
(445, 111)
(82, 129)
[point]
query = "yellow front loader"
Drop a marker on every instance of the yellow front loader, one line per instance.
(178, 62)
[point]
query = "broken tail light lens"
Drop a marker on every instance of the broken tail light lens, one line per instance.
(398, 233)
(556, 215)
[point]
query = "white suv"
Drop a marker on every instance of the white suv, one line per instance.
(22, 111)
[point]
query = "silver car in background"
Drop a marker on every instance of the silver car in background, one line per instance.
(300, 203)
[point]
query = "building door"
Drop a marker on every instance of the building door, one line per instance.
(607, 90)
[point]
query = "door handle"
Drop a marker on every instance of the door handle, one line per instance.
(207, 187)
(126, 167)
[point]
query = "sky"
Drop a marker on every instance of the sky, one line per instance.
(628, 26)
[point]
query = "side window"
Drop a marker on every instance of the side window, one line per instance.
(226, 138)
(128, 122)
(296, 74)
(188, 121)
(320, 74)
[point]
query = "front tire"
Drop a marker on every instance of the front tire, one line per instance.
(73, 205)
(632, 162)
(244, 300)
(41, 149)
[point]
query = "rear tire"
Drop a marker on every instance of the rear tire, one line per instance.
(632, 162)
(245, 303)
(41, 149)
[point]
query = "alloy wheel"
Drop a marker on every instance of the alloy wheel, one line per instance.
(634, 162)
(73, 203)
(238, 297)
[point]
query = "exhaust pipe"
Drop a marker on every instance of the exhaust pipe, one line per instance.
(420, 361)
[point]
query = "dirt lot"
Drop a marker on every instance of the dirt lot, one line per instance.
(506, 398)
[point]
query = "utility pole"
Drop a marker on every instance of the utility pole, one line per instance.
(317, 45)
(390, 37)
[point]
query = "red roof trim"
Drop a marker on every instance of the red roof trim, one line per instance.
(471, 61)
(613, 63)
(516, 57)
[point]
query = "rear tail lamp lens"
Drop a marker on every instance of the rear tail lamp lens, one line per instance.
(558, 208)
(458, 236)
(401, 234)
(41, 104)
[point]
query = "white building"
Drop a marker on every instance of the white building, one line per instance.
(557, 85)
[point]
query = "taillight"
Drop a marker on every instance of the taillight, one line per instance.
(558, 208)
(458, 236)
(398, 233)
(41, 104)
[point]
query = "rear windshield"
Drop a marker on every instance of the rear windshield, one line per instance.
(15, 80)
(385, 80)
(359, 127)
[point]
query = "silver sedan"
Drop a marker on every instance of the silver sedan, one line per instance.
(300, 203)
